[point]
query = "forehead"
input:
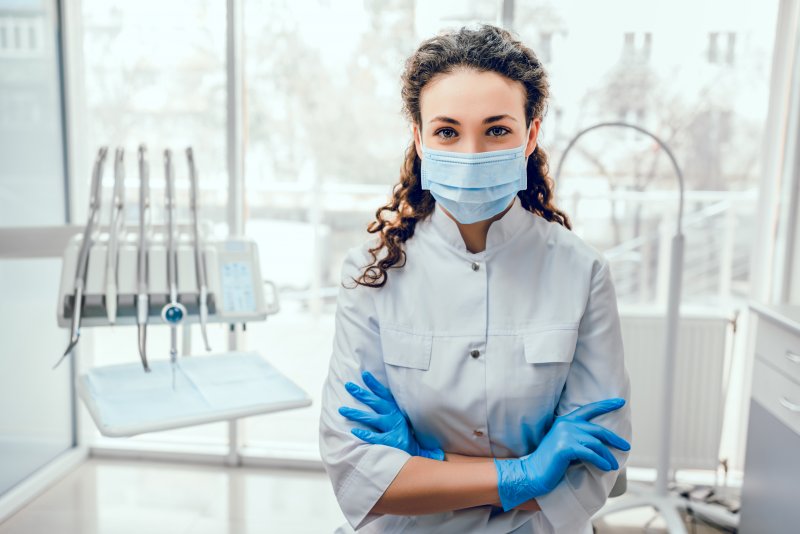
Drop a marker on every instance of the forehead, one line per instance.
(467, 95)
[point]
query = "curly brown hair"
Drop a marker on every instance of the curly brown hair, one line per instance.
(485, 48)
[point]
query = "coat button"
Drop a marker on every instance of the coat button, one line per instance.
(478, 433)
(475, 353)
(475, 265)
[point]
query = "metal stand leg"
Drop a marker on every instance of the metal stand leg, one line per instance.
(233, 425)
(186, 340)
(668, 505)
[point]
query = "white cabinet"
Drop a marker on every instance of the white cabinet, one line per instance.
(771, 488)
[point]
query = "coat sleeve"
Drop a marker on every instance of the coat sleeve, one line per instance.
(360, 472)
(597, 372)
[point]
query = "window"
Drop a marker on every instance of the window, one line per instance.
(154, 73)
(618, 182)
(31, 179)
(36, 420)
(324, 139)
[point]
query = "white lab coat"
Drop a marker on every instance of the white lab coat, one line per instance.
(539, 306)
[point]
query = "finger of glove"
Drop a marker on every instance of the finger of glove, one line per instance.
(435, 454)
(369, 398)
(369, 436)
(603, 434)
(598, 447)
(377, 387)
(378, 422)
(593, 409)
(581, 452)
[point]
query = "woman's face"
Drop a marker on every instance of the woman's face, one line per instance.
(471, 111)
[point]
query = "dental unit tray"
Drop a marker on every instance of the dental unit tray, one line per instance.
(236, 292)
(124, 401)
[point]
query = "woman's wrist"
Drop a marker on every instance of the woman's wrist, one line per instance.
(530, 505)
(453, 457)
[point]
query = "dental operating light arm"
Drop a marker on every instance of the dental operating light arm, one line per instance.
(595, 486)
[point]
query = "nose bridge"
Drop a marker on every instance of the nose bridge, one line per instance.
(477, 145)
(473, 143)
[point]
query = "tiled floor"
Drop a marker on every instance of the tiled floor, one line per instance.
(120, 497)
(643, 521)
(111, 496)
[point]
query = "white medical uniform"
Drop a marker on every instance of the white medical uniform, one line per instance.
(480, 350)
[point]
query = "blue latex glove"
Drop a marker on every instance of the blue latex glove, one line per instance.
(571, 437)
(393, 428)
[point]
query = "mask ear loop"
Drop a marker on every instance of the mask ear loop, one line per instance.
(527, 136)
(536, 144)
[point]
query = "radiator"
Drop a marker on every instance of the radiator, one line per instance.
(702, 360)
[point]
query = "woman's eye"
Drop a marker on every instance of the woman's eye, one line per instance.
(450, 130)
(502, 131)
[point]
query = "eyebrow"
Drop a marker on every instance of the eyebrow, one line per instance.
(487, 120)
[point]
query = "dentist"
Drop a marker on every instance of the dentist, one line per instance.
(477, 379)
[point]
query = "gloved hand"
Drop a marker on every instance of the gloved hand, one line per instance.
(394, 429)
(571, 437)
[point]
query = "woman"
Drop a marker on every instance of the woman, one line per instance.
(492, 356)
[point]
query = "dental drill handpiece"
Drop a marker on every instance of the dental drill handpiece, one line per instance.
(142, 298)
(83, 254)
(173, 311)
(199, 265)
(115, 230)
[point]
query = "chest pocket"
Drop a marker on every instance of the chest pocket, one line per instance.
(407, 358)
(549, 354)
(551, 346)
(406, 349)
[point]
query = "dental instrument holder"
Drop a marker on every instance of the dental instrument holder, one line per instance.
(236, 291)
(658, 497)
(158, 266)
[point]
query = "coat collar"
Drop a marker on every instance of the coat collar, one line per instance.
(500, 231)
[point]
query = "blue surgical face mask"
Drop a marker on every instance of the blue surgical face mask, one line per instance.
(474, 186)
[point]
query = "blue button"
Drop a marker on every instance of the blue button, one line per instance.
(174, 314)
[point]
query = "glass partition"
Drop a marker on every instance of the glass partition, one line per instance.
(36, 420)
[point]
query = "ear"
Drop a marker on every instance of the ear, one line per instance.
(533, 137)
(418, 141)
